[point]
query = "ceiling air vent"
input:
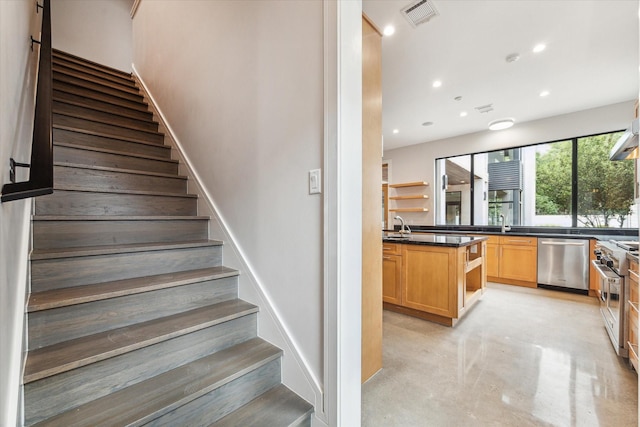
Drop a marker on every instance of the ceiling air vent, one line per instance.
(419, 12)
(485, 108)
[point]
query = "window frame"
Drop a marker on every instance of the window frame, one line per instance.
(574, 175)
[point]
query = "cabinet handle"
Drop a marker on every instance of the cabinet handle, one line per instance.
(518, 241)
(386, 257)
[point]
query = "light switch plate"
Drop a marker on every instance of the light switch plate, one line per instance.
(315, 185)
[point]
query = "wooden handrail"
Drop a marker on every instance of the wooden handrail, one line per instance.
(41, 167)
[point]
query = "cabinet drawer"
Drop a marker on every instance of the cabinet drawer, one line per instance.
(518, 241)
(493, 240)
(390, 248)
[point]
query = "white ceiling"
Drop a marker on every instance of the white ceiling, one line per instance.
(591, 60)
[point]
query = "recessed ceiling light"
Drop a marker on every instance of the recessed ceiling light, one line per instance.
(437, 83)
(501, 124)
(463, 114)
(389, 30)
(427, 124)
(544, 93)
(396, 131)
(539, 48)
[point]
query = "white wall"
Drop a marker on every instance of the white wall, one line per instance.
(98, 30)
(417, 162)
(241, 85)
(18, 20)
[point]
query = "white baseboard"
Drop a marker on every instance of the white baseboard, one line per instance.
(295, 370)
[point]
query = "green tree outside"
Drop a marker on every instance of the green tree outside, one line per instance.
(605, 189)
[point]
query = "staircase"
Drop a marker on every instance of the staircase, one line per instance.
(132, 318)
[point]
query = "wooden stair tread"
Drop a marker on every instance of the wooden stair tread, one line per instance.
(106, 122)
(140, 107)
(72, 354)
(119, 170)
(60, 74)
(118, 191)
(56, 53)
(147, 400)
(91, 108)
(117, 152)
(106, 135)
(78, 71)
(61, 79)
(276, 407)
(119, 218)
(41, 254)
(81, 294)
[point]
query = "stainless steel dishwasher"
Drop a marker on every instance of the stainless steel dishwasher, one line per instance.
(563, 263)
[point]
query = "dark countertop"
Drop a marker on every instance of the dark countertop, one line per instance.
(449, 240)
(556, 233)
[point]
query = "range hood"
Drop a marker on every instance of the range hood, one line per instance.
(627, 145)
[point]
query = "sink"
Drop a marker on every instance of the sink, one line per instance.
(397, 236)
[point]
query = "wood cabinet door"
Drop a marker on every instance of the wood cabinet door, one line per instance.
(519, 262)
(493, 260)
(429, 276)
(392, 279)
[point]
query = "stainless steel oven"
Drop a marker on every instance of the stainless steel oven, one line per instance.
(611, 266)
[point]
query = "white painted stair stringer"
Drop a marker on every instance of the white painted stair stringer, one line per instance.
(295, 369)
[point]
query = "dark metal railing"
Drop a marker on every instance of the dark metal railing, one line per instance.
(41, 166)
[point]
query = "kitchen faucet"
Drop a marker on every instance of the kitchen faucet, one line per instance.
(404, 229)
(504, 227)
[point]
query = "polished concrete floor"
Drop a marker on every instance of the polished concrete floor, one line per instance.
(520, 357)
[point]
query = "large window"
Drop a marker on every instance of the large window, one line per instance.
(569, 183)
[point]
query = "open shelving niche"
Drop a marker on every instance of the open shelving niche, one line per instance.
(408, 191)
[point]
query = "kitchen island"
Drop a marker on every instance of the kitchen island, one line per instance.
(433, 277)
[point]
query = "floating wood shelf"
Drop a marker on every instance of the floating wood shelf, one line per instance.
(410, 196)
(410, 184)
(409, 210)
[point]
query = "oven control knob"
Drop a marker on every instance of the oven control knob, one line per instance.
(609, 263)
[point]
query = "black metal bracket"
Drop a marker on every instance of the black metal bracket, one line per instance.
(34, 41)
(12, 168)
(38, 6)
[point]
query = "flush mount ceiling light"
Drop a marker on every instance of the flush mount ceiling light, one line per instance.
(539, 48)
(544, 93)
(389, 30)
(437, 83)
(463, 114)
(396, 131)
(501, 124)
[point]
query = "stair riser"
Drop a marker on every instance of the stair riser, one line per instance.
(223, 400)
(79, 156)
(113, 130)
(68, 234)
(59, 56)
(124, 94)
(106, 107)
(83, 73)
(118, 120)
(59, 273)
(86, 203)
(80, 178)
(97, 95)
(62, 392)
(61, 136)
(49, 327)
